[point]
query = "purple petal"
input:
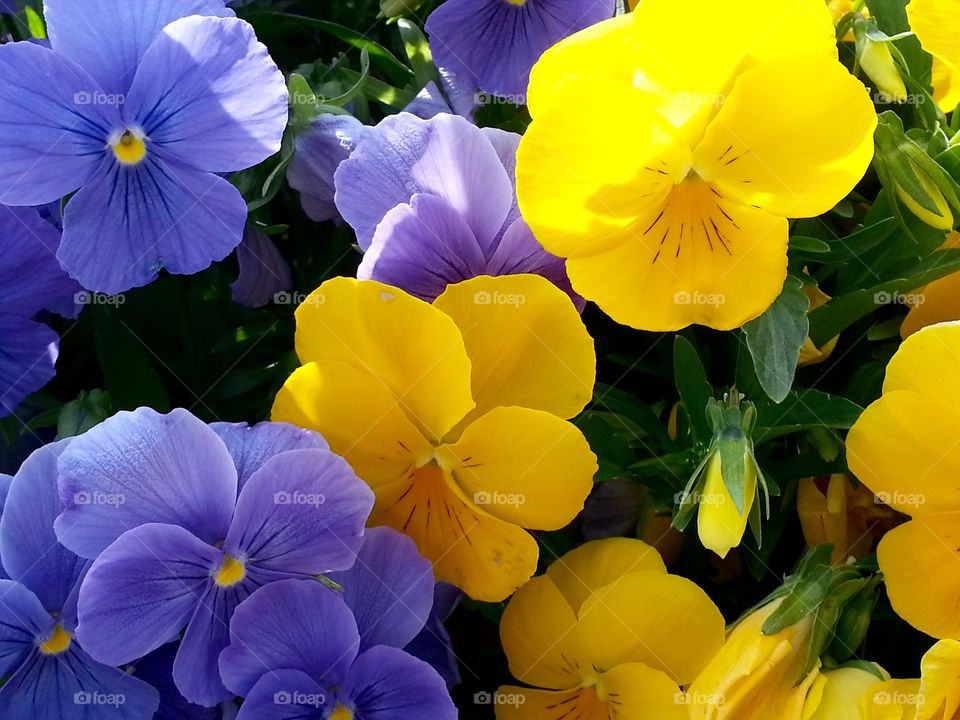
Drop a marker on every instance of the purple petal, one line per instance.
(389, 589)
(31, 279)
(263, 270)
(23, 621)
(292, 624)
(388, 684)
(445, 156)
(423, 247)
(28, 354)
(319, 151)
(156, 669)
(303, 511)
(285, 695)
(53, 127)
(494, 44)
(251, 446)
(143, 467)
(428, 102)
(108, 38)
(29, 547)
(505, 144)
(72, 685)
(208, 94)
(142, 591)
(130, 222)
(433, 645)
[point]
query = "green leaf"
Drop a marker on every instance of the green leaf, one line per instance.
(418, 51)
(804, 410)
(37, 27)
(695, 391)
(775, 339)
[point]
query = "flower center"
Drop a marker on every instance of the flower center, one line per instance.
(231, 572)
(129, 146)
(517, 2)
(341, 713)
(58, 641)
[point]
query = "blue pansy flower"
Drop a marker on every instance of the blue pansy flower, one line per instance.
(299, 650)
(50, 675)
(31, 280)
(263, 270)
(493, 44)
(138, 106)
(185, 521)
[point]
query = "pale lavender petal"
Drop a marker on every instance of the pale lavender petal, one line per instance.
(208, 94)
(428, 102)
(131, 222)
(23, 621)
(303, 511)
(292, 624)
(286, 695)
(143, 467)
(251, 446)
(108, 38)
(389, 589)
(28, 354)
(423, 247)
(506, 144)
(142, 591)
(263, 270)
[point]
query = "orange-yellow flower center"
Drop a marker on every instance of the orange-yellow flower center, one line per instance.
(342, 713)
(129, 147)
(517, 2)
(231, 572)
(58, 642)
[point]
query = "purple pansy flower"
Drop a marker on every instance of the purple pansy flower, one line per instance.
(31, 280)
(51, 676)
(494, 43)
(185, 522)
(434, 202)
(300, 650)
(139, 105)
(263, 270)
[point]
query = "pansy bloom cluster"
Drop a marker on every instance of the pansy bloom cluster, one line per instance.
(479, 359)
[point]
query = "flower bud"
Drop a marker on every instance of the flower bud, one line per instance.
(396, 8)
(878, 63)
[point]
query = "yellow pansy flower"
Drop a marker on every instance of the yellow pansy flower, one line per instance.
(673, 210)
(946, 86)
(597, 637)
(891, 700)
(810, 354)
(936, 302)
(756, 676)
(936, 24)
(935, 696)
(904, 448)
(454, 413)
(838, 694)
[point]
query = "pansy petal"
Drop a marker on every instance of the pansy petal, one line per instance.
(939, 673)
(524, 466)
(208, 94)
(422, 248)
(375, 437)
(638, 690)
(385, 683)
(596, 564)
(405, 344)
(517, 703)
(928, 362)
(142, 590)
(109, 39)
(389, 589)
(539, 635)
(29, 547)
(140, 467)
(74, 686)
(303, 511)
(295, 624)
(156, 669)
(130, 222)
(285, 695)
(263, 270)
(446, 156)
(551, 365)
(433, 644)
(923, 553)
(638, 618)
(936, 25)
(23, 621)
(53, 129)
(28, 355)
(759, 150)
(251, 446)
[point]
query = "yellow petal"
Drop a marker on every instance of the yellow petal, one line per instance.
(921, 567)
(485, 557)
(843, 690)
(937, 26)
(526, 342)
(928, 362)
(538, 631)
(357, 416)
(761, 149)
(719, 523)
(946, 86)
(935, 303)
(940, 682)
(598, 563)
(824, 516)
(905, 448)
(699, 259)
(640, 617)
(526, 467)
(891, 700)
(634, 690)
(516, 703)
(408, 345)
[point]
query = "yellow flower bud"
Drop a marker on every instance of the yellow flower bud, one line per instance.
(878, 63)
(838, 694)
(942, 219)
(719, 523)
